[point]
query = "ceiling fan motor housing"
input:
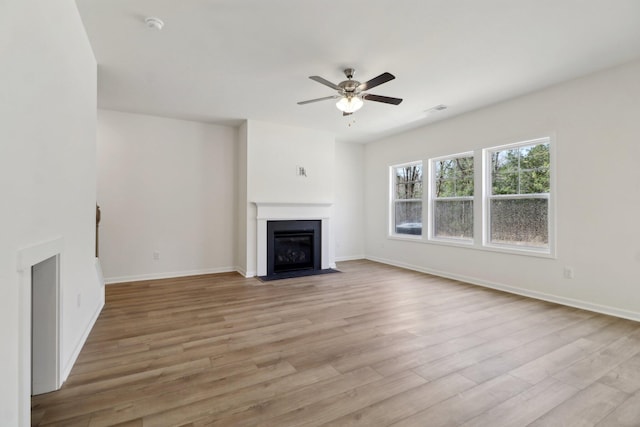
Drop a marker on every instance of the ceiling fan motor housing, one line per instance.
(349, 86)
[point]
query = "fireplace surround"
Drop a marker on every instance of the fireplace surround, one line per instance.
(268, 211)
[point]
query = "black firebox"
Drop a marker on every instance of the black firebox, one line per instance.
(293, 246)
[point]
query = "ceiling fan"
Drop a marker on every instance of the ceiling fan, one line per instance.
(351, 93)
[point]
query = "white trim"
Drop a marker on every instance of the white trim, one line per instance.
(391, 219)
(431, 200)
(32, 255)
(350, 258)
(267, 211)
(240, 271)
(168, 275)
(550, 251)
(469, 244)
(570, 302)
(76, 351)
(453, 241)
(407, 238)
(46, 385)
(270, 209)
(249, 274)
(518, 250)
(26, 258)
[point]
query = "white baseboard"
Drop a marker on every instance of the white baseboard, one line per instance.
(244, 273)
(169, 275)
(584, 305)
(76, 351)
(349, 258)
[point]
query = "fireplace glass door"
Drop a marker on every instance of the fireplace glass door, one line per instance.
(293, 246)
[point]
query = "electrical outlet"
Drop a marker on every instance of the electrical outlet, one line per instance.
(568, 273)
(156, 255)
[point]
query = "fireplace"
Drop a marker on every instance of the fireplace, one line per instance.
(277, 212)
(293, 245)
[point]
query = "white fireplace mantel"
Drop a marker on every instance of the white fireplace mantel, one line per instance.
(268, 211)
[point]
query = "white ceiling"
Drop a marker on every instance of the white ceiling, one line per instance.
(223, 61)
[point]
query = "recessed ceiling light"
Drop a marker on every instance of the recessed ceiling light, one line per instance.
(155, 23)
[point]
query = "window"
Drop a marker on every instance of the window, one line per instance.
(407, 199)
(518, 193)
(452, 197)
(498, 199)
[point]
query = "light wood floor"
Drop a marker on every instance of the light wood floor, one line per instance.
(373, 346)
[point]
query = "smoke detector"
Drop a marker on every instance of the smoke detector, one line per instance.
(154, 23)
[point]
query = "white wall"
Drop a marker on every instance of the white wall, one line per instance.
(273, 154)
(596, 127)
(349, 201)
(241, 201)
(47, 178)
(166, 186)
(174, 186)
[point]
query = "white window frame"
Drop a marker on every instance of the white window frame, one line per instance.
(393, 200)
(487, 196)
(432, 200)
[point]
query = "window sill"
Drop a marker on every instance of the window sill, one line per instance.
(474, 246)
(518, 251)
(406, 237)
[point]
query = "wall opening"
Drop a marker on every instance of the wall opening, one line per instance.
(45, 315)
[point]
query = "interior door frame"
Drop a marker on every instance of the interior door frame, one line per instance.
(27, 258)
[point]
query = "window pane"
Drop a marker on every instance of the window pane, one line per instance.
(534, 181)
(535, 157)
(407, 199)
(408, 216)
(522, 170)
(444, 167)
(453, 177)
(445, 188)
(505, 160)
(409, 190)
(408, 180)
(520, 222)
(504, 182)
(464, 186)
(453, 219)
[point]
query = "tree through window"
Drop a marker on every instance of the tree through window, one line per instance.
(407, 199)
(518, 195)
(452, 197)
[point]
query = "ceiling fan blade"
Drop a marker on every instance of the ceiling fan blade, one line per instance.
(325, 82)
(318, 99)
(344, 113)
(376, 81)
(379, 98)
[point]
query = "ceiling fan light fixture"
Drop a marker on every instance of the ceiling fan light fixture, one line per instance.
(349, 104)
